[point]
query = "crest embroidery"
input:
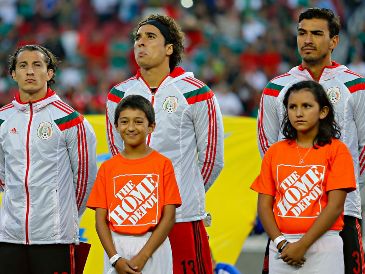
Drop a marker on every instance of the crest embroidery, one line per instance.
(334, 94)
(44, 130)
(170, 104)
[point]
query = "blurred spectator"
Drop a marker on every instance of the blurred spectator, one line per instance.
(235, 44)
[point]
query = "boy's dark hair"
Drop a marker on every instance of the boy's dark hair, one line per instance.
(326, 14)
(135, 102)
(328, 127)
(49, 58)
(174, 36)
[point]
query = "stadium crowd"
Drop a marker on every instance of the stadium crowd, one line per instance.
(234, 46)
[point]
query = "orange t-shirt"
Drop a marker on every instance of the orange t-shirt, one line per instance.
(135, 191)
(300, 190)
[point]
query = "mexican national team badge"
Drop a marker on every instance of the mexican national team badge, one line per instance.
(44, 131)
(170, 104)
(334, 94)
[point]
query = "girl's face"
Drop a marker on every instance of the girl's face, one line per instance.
(304, 112)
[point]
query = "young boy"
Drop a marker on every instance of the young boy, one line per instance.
(135, 197)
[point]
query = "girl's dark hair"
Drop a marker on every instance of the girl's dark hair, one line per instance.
(328, 128)
(49, 58)
(135, 102)
(175, 36)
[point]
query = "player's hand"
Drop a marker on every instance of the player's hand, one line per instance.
(123, 266)
(293, 254)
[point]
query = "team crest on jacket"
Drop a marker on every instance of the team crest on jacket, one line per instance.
(334, 94)
(170, 104)
(44, 131)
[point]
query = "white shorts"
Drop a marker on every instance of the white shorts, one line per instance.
(128, 246)
(325, 256)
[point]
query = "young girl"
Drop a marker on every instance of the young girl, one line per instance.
(135, 196)
(303, 184)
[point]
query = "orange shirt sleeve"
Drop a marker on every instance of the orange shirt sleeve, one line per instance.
(341, 173)
(265, 182)
(97, 198)
(171, 190)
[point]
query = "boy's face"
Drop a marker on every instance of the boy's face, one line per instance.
(133, 127)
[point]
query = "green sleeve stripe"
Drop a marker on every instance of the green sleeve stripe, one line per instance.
(197, 92)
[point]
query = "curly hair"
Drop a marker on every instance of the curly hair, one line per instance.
(49, 58)
(175, 36)
(326, 14)
(328, 128)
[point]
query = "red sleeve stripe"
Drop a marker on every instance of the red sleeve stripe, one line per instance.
(8, 106)
(66, 106)
(262, 137)
(1, 183)
(353, 73)
(113, 98)
(356, 84)
(196, 81)
(362, 161)
(280, 76)
(271, 92)
(193, 82)
(62, 107)
(214, 145)
(83, 165)
(109, 128)
(212, 141)
(79, 169)
(357, 87)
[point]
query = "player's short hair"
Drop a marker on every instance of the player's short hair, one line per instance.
(333, 20)
(49, 58)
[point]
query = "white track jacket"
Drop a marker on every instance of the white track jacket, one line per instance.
(47, 168)
(189, 131)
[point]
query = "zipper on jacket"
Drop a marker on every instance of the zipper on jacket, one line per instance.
(27, 176)
(152, 102)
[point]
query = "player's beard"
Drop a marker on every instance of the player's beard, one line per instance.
(314, 60)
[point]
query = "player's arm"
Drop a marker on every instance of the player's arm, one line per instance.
(208, 123)
(158, 236)
(359, 117)
(103, 231)
(2, 169)
(115, 142)
(294, 252)
(81, 147)
(268, 123)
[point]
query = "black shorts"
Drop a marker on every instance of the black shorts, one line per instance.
(352, 246)
(37, 259)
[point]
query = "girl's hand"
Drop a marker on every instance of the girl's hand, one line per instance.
(139, 261)
(123, 266)
(293, 254)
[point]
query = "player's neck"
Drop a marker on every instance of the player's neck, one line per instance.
(154, 76)
(317, 68)
(138, 152)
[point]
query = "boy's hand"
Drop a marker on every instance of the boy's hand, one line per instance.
(124, 266)
(293, 254)
(139, 261)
